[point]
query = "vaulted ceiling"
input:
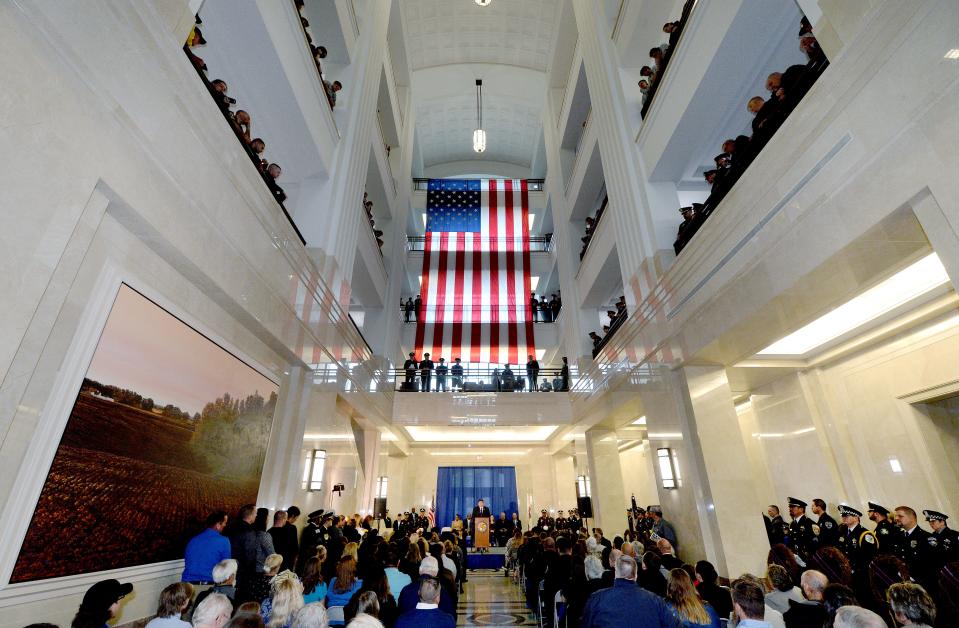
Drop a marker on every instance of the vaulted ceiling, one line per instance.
(449, 44)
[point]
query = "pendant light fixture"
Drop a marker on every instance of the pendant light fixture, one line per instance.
(483, 3)
(479, 135)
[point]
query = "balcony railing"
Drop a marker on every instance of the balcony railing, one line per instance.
(422, 185)
(537, 244)
(480, 312)
(654, 86)
(479, 379)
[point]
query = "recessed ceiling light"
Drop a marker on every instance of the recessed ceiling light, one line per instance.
(483, 3)
(906, 285)
(441, 434)
(952, 54)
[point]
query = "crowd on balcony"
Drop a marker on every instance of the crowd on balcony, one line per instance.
(318, 53)
(651, 74)
(427, 375)
(786, 89)
(543, 311)
(617, 316)
(240, 120)
(591, 223)
(368, 208)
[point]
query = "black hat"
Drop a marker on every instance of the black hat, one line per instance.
(882, 510)
(709, 172)
(687, 208)
(412, 353)
(797, 502)
(422, 510)
(560, 511)
(932, 515)
(721, 156)
(105, 594)
(316, 513)
(543, 510)
(845, 510)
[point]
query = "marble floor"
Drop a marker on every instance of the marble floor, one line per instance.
(490, 599)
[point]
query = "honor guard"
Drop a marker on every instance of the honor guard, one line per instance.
(915, 545)
(422, 521)
(945, 540)
(312, 537)
(573, 523)
(560, 521)
(775, 526)
(544, 522)
(858, 544)
(802, 531)
(828, 528)
(886, 532)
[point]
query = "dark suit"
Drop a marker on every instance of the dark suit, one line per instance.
(426, 374)
(425, 618)
(804, 615)
(532, 373)
(410, 367)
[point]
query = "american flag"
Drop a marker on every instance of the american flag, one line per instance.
(431, 513)
(476, 272)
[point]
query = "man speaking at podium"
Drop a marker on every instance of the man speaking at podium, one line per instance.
(479, 510)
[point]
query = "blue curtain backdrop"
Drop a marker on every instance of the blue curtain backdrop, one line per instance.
(458, 488)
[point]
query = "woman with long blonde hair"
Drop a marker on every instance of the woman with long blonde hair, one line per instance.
(685, 604)
(278, 610)
(352, 549)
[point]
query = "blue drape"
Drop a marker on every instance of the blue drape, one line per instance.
(458, 488)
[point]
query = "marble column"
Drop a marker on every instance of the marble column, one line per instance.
(279, 482)
(606, 480)
(368, 445)
(714, 506)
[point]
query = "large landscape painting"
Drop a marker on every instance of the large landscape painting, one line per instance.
(167, 426)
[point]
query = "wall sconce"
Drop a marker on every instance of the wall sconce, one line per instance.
(667, 469)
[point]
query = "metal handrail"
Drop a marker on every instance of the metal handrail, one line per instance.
(475, 379)
(537, 244)
(422, 184)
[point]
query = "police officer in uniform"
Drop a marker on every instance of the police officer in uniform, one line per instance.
(775, 526)
(311, 538)
(886, 532)
(944, 540)
(915, 546)
(560, 521)
(828, 528)
(573, 523)
(859, 545)
(802, 531)
(422, 521)
(545, 522)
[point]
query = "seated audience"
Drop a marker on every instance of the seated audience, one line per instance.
(685, 604)
(834, 597)
(344, 584)
(278, 610)
(709, 590)
(427, 612)
(174, 600)
(857, 617)
(782, 590)
(314, 588)
(100, 603)
(748, 605)
(911, 605)
(213, 611)
(263, 585)
(625, 604)
(311, 616)
(429, 568)
(811, 612)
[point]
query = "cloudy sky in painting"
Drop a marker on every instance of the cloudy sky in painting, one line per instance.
(145, 349)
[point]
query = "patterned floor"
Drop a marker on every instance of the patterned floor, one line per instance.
(491, 599)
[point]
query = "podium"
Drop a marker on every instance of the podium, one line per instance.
(481, 527)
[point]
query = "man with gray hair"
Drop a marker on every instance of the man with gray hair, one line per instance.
(857, 617)
(811, 612)
(661, 527)
(427, 613)
(224, 579)
(213, 611)
(409, 596)
(625, 604)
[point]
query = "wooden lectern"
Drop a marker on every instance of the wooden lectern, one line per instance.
(481, 532)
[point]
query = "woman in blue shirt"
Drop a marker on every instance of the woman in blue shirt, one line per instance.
(314, 589)
(343, 585)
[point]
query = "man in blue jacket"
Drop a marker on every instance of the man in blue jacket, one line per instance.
(205, 550)
(625, 604)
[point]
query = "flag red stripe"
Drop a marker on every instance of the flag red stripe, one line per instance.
(493, 274)
(510, 274)
(476, 328)
(527, 284)
(458, 280)
(424, 296)
(439, 308)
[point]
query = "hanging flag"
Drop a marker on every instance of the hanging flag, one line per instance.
(476, 281)
(431, 514)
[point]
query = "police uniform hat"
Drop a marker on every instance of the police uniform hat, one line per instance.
(932, 515)
(721, 156)
(559, 512)
(316, 513)
(797, 502)
(845, 510)
(422, 510)
(687, 208)
(543, 511)
(882, 510)
(572, 511)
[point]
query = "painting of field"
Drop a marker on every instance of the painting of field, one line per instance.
(166, 427)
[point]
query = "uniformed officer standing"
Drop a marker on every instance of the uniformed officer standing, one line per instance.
(311, 538)
(944, 540)
(422, 521)
(802, 533)
(828, 528)
(545, 522)
(915, 548)
(573, 523)
(560, 521)
(886, 532)
(859, 545)
(775, 526)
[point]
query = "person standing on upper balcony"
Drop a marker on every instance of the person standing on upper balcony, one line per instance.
(426, 372)
(457, 371)
(408, 309)
(418, 307)
(410, 367)
(533, 306)
(532, 373)
(547, 314)
(441, 371)
(564, 374)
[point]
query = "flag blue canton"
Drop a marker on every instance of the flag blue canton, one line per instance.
(453, 205)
